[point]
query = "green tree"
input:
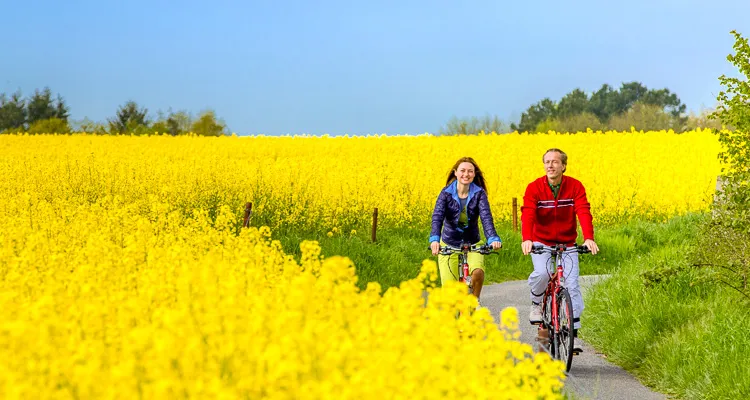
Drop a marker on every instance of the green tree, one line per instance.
(208, 125)
(41, 106)
(604, 103)
(161, 127)
(129, 119)
(734, 110)
(668, 101)
(473, 126)
(549, 124)
(573, 103)
(724, 247)
(646, 117)
(51, 125)
(537, 113)
(572, 124)
(88, 126)
(629, 94)
(175, 123)
(181, 121)
(12, 112)
(703, 120)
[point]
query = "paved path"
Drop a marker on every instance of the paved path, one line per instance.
(591, 375)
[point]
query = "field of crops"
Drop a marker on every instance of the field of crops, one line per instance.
(123, 271)
(326, 183)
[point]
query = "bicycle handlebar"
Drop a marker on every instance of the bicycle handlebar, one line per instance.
(448, 250)
(560, 248)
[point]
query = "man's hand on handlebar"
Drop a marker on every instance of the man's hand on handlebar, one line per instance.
(496, 245)
(526, 247)
(591, 246)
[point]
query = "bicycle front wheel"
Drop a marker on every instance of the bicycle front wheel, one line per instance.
(549, 325)
(564, 336)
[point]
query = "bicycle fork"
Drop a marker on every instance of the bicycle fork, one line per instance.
(463, 273)
(467, 276)
(558, 287)
(547, 334)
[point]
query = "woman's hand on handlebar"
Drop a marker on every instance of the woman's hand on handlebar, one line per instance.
(435, 247)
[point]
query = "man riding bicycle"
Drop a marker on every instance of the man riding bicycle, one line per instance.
(551, 204)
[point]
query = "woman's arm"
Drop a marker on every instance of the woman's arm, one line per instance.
(438, 214)
(485, 213)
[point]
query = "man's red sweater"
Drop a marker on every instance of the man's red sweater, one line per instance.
(549, 220)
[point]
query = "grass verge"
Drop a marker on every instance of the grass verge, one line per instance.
(666, 322)
(398, 253)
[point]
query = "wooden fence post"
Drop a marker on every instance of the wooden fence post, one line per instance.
(374, 224)
(248, 211)
(515, 215)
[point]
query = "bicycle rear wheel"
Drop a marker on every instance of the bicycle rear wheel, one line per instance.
(564, 337)
(548, 325)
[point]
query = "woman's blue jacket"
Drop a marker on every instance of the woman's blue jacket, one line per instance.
(448, 210)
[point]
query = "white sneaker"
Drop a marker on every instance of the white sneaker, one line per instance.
(535, 316)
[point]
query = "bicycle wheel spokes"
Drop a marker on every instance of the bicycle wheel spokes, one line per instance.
(564, 337)
(547, 324)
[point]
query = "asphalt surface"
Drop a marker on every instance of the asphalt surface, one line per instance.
(591, 376)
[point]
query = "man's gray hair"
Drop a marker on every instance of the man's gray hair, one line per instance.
(563, 157)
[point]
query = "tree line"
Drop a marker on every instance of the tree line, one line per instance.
(42, 112)
(632, 105)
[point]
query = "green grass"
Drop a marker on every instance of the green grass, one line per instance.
(664, 321)
(398, 253)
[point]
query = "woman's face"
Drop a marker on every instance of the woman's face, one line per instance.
(465, 173)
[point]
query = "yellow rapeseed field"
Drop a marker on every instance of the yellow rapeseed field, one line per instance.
(107, 301)
(123, 273)
(322, 183)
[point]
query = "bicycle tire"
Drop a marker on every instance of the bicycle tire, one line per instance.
(548, 325)
(564, 338)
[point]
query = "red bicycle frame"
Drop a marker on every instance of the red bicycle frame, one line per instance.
(554, 286)
(465, 266)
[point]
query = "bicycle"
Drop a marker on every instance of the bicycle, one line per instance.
(557, 306)
(463, 259)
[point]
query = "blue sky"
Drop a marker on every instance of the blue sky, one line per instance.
(343, 67)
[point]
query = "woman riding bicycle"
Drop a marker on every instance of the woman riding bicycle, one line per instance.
(455, 220)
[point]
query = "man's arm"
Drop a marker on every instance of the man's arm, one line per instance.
(583, 211)
(528, 218)
(485, 214)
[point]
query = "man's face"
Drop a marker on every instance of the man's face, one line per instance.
(553, 165)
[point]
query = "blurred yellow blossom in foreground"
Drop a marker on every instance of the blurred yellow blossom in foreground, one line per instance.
(106, 303)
